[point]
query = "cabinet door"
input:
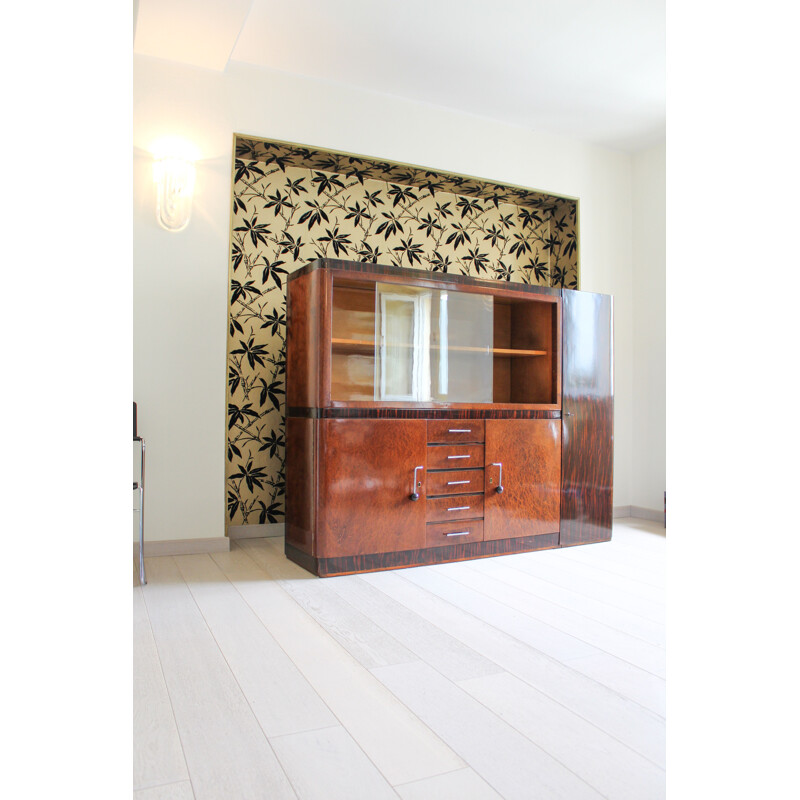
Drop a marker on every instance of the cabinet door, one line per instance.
(528, 453)
(587, 397)
(366, 481)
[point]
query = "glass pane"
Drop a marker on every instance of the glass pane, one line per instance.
(433, 345)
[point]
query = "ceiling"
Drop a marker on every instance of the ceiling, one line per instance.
(591, 70)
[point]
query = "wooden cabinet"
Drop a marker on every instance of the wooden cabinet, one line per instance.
(366, 481)
(523, 477)
(424, 419)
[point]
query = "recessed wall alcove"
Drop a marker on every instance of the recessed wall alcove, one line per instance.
(294, 203)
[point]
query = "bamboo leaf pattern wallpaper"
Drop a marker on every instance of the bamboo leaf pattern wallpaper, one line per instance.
(293, 204)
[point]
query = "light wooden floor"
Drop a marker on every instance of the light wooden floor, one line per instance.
(531, 676)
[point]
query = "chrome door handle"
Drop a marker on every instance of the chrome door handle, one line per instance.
(459, 430)
(499, 489)
(414, 493)
(460, 533)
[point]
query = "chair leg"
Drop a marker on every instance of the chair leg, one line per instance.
(142, 578)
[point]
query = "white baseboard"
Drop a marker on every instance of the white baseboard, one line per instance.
(183, 547)
(256, 531)
(638, 512)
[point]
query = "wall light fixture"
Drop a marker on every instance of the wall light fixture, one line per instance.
(174, 178)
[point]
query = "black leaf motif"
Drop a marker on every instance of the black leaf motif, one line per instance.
(258, 233)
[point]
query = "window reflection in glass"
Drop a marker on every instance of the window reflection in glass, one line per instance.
(433, 345)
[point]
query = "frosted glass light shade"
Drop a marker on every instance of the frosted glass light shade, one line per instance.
(174, 178)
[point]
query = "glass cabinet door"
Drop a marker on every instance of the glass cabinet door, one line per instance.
(433, 345)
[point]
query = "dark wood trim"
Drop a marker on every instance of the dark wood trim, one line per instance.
(348, 268)
(421, 413)
(299, 557)
(373, 562)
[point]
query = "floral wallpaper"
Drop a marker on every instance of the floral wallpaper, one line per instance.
(291, 205)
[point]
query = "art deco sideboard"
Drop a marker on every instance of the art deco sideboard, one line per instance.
(433, 417)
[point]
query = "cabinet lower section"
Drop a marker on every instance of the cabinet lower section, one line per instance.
(371, 494)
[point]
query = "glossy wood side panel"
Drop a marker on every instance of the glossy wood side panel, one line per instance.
(305, 310)
(588, 418)
(366, 478)
(530, 452)
(327, 567)
(301, 502)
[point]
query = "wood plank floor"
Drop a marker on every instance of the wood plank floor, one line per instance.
(530, 676)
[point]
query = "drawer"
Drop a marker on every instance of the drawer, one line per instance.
(458, 482)
(457, 506)
(450, 431)
(443, 533)
(455, 456)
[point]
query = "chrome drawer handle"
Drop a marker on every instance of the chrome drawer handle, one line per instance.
(414, 493)
(459, 430)
(455, 483)
(459, 508)
(460, 533)
(449, 457)
(500, 482)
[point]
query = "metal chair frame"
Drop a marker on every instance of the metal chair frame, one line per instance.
(139, 485)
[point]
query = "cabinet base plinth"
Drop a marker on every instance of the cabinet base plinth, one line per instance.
(375, 562)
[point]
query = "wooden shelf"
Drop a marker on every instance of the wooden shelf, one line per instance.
(366, 347)
(353, 346)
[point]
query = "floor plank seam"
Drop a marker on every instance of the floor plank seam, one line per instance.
(560, 630)
(587, 596)
(566, 608)
(207, 556)
(550, 696)
(245, 545)
(500, 719)
(169, 694)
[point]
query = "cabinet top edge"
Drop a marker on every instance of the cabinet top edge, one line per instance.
(375, 271)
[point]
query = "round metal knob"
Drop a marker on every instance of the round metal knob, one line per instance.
(499, 490)
(414, 496)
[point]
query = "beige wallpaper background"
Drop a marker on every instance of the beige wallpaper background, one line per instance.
(293, 204)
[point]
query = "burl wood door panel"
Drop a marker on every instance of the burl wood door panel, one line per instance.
(366, 480)
(587, 418)
(530, 453)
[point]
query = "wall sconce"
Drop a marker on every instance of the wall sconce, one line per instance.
(174, 178)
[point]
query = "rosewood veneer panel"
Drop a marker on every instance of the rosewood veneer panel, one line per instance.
(587, 418)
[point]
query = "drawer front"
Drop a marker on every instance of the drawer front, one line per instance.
(450, 431)
(455, 456)
(444, 533)
(458, 506)
(464, 480)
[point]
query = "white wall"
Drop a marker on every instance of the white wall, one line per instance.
(649, 329)
(180, 292)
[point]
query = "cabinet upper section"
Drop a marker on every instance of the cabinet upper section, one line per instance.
(365, 335)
